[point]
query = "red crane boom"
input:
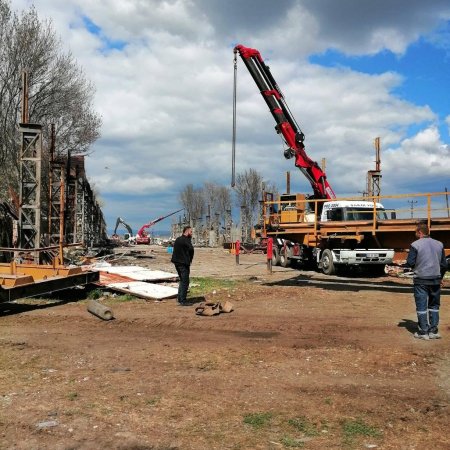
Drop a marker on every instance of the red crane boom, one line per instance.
(141, 234)
(286, 124)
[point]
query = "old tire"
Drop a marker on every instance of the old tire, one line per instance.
(328, 267)
(275, 256)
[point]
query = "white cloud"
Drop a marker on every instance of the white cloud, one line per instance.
(132, 20)
(166, 97)
(134, 184)
(351, 26)
(422, 156)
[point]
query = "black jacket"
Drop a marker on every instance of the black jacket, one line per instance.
(183, 251)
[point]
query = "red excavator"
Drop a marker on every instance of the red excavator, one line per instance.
(142, 236)
(286, 124)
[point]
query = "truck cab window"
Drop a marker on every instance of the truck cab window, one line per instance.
(335, 214)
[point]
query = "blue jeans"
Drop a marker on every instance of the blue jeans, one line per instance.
(428, 300)
(183, 271)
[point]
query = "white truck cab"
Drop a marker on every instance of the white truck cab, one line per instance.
(347, 210)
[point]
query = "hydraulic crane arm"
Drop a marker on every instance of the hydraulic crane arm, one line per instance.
(285, 122)
(141, 231)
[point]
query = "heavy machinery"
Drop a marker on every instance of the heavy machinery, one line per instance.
(128, 228)
(324, 250)
(285, 122)
(142, 236)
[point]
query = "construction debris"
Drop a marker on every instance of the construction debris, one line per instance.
(144, 290)
(137, 273)
(212, 309)
(99, 310)
(28, 280)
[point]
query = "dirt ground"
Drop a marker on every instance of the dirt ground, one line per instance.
(302, 362)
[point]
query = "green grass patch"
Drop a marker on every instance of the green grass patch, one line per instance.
(203, 286)
(257, 420)
(122, 298)
(355, 428)
(98, 293)
(95, 294)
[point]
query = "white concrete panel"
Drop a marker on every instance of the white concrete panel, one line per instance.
(140, 273)
(145, 290)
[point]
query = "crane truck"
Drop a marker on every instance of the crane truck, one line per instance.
(327, 250)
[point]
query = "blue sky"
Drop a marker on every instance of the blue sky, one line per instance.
(425, 69)
(350, 71)
(108, 43)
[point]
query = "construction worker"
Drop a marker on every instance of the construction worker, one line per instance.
(427, 258)
(183, 253)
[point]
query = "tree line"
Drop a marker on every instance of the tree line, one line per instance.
(212, 202)
(59, 92)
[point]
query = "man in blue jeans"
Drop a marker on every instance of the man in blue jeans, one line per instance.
(427, 258)
(183, 253)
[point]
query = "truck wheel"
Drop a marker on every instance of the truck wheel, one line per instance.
(275, 256)
(328, 267)
(285, 257)
(378, 270)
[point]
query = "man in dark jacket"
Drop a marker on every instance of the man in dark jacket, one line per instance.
(427, 258)
(183, 253)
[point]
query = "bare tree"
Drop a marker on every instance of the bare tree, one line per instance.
(218, 198)
(248, 193)
(268, 186)
(193, 202)
(223, 200)
(59, 93)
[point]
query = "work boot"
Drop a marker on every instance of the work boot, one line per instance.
(423, 336)
(433, 333)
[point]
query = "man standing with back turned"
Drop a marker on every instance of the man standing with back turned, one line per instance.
(427, 258)
(183, 253)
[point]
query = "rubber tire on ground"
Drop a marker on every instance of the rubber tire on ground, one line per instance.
(285, 257)
(275, 256)
(328, 267)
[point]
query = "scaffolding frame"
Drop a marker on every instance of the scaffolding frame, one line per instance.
(30, 188)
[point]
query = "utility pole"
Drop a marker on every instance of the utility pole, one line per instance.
(446, 200)
(412, 202)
